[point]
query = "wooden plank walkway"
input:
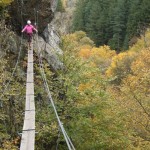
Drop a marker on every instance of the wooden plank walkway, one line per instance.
(28, 132)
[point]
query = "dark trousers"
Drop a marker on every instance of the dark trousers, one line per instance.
(29, 36)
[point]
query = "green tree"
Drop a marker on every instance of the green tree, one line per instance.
(3, 5)
(79, 16)
(118, 23)
(112, 22)
(97, 22)
(139, 17)
(60, 6)
(87, 109)
(134, 19)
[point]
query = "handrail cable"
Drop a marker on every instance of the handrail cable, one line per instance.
(52, 102)
(12, 74)
(20, 49)
(67, 139)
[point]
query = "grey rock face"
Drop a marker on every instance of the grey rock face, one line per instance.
(71, 3)
(54, 5)
(38, 11)
(47, 52)
(62, 21)
(41, 12)
(50, 23)
(52, 38)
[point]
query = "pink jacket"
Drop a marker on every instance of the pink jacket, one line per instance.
(29, 29)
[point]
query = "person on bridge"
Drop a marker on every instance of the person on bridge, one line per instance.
(29, 28)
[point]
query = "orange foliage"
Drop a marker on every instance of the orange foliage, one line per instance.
(132, 68)
(120, 65)
(85, 53)
(82, 87)
(142, 63)
(133, 95)
(101, 56)
(101, 52)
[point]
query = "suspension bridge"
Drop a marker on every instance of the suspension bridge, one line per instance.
(28, 130)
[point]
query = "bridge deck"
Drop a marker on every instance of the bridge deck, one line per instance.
(28, 133)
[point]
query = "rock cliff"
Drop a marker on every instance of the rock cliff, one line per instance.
(51, 24)
(23, 10)
(62, 20)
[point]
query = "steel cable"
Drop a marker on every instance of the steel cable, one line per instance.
(67, 139)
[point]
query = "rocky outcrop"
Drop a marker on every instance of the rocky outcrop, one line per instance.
(43, 10)
(52, 38)
(71, 3)
(36, 10)
(9, 41)
(49, 47)
(51, 24)
(62, 20)
(49, 53)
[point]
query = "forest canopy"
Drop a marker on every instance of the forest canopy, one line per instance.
(112, 22)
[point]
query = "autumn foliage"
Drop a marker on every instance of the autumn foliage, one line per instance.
(112, 91)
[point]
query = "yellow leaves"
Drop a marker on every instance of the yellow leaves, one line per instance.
(121, 56)
(137, 66)
(142, 63)
(140, 71)
(77, 36)
(142, 43)
(86, 46)
(126, 61)
(79, 45)
(64, 3)
(83, 87)
(129, 96)
(101, 52)
(141, 144)
(139, 79)
(4, 3)
(7, 145)
(87, 41)
(73, 42)
(85, 53)
(70, 37)
(132, 68)
(121, 64)
(92, 64)
(133, 94)
(101, 56)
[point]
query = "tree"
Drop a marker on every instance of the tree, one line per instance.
(118, 23)
(112, 22)
(79, 16)
(129, 82)
(60, 6)
(3, 5)
(134, 91)
(87, 109)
